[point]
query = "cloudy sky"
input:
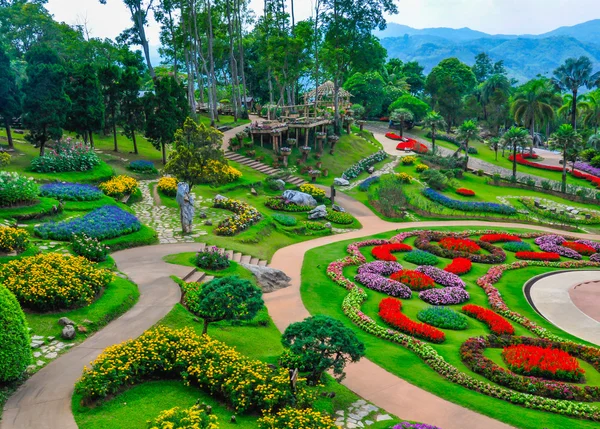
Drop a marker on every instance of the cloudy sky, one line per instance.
(491, 16)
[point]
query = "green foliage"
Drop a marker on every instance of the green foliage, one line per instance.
(547, 185)
(368, 90)
(435, 179)
(66, 156)
(443, 317)
(420, 257)
(595, 161)
(517, 246)
(418, 107)
(285, 219)
(4, 159)
(15, 348)
(89, 247)
(589, 154)
(388, 196)
(87, 108)
(16, 189)
(10, 97)
(341, 218)
(212, 258)
(131, 108)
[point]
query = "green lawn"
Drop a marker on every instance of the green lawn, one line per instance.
(322, 296)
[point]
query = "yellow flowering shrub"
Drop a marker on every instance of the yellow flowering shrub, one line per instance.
(13, 239)
(245, 216)
(53, 281)
(309, 189)
(196, 417)
(119, 186)
(4, 159)
(220, 173)
(404, 177)
(168, 186)
(244, 383)
(408, 160)
(295, 418)
(421, 168)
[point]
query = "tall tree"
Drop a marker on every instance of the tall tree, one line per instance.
(109, 82)
(591, 110)
(434, 121)
(131, 109)
(10, 102)
(572, 75)
(483, 67)
(565, 139)
(413, 72)
(45, 102)
(467, 131)
(514, 138)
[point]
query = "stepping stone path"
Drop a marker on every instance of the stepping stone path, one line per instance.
(386, 169)
(263, 168)
(360, 414)
(45, 349)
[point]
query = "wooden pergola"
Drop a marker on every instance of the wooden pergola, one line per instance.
(324, 96)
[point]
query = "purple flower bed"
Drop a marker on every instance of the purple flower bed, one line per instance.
(552, 243)
(550, 239)
(584, 166)
(409, 425)
(384, 268)
(590, 243)
(446, 296)
(595, 257)
(442, 277)
(383, 284)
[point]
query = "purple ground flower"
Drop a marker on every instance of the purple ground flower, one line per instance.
(384, 268)
(383, 284)
(584, 166)
(442, 277)
(408, 425)
(446, 296)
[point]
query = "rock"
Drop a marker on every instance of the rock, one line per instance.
(338, 181)
(40, 363)
(269, 279)
(65, 321)
(318, 212)
(370, 170)
(36, 344)
(279, 184)
(383, 417)
(36, 354)
(51, 355)
(68, 332)
(220, 197)
(50, 338)
(37, 338)
(208, 222)
(337, 208)
(82, 329)
(202, 215)
(253, 192)
(299, 198)
(328, 225)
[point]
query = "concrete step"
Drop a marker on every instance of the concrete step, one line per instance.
(229, 254)
(235, 157)
(189, 275)
(245, 259)
(206, 279)
(253, 261)
(237, 257)
(262, 263)
(198, 278)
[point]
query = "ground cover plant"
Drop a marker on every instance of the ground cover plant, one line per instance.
(390, 310)
(354, 171)
(497, 324)
(543, 362)
(143, 166)
(468, 206)
(413, 279)
(459, 266)
(71, 191)
(419, 257)
(13, 239)
(443, 317)
(16, 189)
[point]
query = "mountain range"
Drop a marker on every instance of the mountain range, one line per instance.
(525, 56)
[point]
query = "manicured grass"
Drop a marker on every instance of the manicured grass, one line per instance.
(43, 207)
(322, 296)
(144, 237)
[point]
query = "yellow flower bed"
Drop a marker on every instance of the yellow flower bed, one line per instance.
(13, 239)
(422, 167)
(119, 186)
(309, 189)
(245, 216)
(408, 160)
(194, 417)
(244, 383)
(404, 177)
(294, 418)
(168, 186)
(53, 281)
(220, 173)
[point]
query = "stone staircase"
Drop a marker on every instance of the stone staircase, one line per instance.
(197, 276)
(263, 168)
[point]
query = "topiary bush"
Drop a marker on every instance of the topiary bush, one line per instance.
(341, 218)
(419, 257)
(517, 246)
(15, 350)
(443, 317)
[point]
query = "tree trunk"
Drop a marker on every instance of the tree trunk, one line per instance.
(135, 148)
(138, 18)
(564, 172)
(433, 141)
(466, 155)
(205, 327)
(532, 136)
(574, 111)
(211, 59)
(91, 138)
(8, 133)
(514, 161)
(164, 153)
(114, 129)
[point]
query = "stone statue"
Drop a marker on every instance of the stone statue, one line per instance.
(185, 199)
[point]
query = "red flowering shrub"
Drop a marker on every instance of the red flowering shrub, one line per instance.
(459, 245)
(582, 249)
(538, 256)
(390, 310)
(384, 251)
(393, 136)
(542, 362)
(411, 144)
(459, 266)
(521, 160)
(499, 238)
(593, 179)
(465, 192)
(413, 279)
(497, 324)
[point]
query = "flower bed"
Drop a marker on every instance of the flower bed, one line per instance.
(412, 145)
(468, 206)
(380, 283)
(588, 168)
(295, 418)
(384, 251)
(212, 258)
(413, 279)
(425, 241)
(363, 164)
(589, 177)
(195, 417)
(442, 277)
(498, 325)
(168, 186)
(383, 268)
(419, 257)
(582, 249)
(366, 184)
(52, 281)
(281, 204)
(393, 136)
(13, 239)
(465, 192)
(499, 238)
(143, 166)
(390, 310)
(459, 245)
(517, 246)
(538, 256)
(119, 186)
(542, 362)
(443, 317)
(66, 156)
(445, 296)
(105, 222)
(404, 177)
(312, 190)
(459, 266)
(521, 160)
(553, 244)
(409, 425)
(16, 189)
(89, 248)
(245, 216)
(71, 192)
(408, 160)
(341, 218)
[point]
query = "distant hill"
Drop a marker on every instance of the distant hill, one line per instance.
(587, 32)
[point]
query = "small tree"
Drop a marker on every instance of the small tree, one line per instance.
(434, 121)
(495, 144)
(10, 103)
(131, 111)
(401, 116)
(466, 132)
(228, 298)
(321, 343)
(514, 138)
(565, 139)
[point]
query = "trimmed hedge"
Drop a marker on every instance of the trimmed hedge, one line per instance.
(15, 350)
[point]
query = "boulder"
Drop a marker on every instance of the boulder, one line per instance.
(253, 192)
(327, 225)
(202, 215)
(318, 212)
(370, 170)
(279, 184)
(337, 208)
(65, 321)
(299, 198)
(338, 181)
(68, 332)
(269, 279)
(208, 222)
(220, 197)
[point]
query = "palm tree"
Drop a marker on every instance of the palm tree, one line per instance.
(565, 111)
(594, 141)
(497, 83)
(513, 138)
(434, 121)
(467, 131)
(565, 139)
(591, 110)
(401, 116)
(572, 75)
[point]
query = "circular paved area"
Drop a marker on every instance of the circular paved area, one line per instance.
(586, 296)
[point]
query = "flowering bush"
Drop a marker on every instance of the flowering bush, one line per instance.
(442, 277)
(52, 281)
(542, 362)
(16, 189)
(538, 256)
(383, 252)
(279, 203)
(408, 160)
(294, 418)
(465, 192)
(499, 238)
(582, 249)
(89, 248)
(521, 160)
(425, 238)
(468, 206)
(212, 258)
(419, 257)
(409, 425)
(413, 279)
(143, 166)
(390, 310)
(443, 317)
(13, 239)
(71, 191)
(378, 282)
(341, 218)
(245, 216)
(363, 164)
(220, 173)
(421, 168)
(312, 190)
(459, 245)
(66, 156)
(393, 136)
(195, 417)
(459, 266)
(5, 159)
(517, 246)
(554, 244)
(497, 324)
(412, 145)
(167, 185)
(119, 186)
(405, 177)
(105, 222)
(445, 296)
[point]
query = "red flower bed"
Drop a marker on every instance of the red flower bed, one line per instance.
(521, 160)
(497, 324)
(390, 310)
(393, 136)
(593, 179)
(411, 144)
(542, 362)
(465, 192)
(538, 256)
(384, 251)
(459, 245)
(582, 249)
(459, 266)
(413, 279)
(499, 238)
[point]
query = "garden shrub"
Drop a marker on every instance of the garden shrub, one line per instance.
(295, 418)
(105, 222)
(143, 166)
(421, 168)
(517, 246)
(595, 161)
(404, 177)
(408, 160)
(13, 239)
(5, 159)
(341, 218)
(119, 186)
(71, 191)
(220, 173)
(312, 226)
(419, 257)
(195, 417)
(366, 184)
(363, 164)
(89, 247)
(15, 347)
(389, 196)
(212, 258)
(66, 156)
(285, 220)
(390, 310)
(279, 203)
(53, 281)
(245, 216)
(168, 186)
(547, 185)
(588, 154)
(443, 317)
(468, 206)
(16, 189)
(435, 179)
(312, 190)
